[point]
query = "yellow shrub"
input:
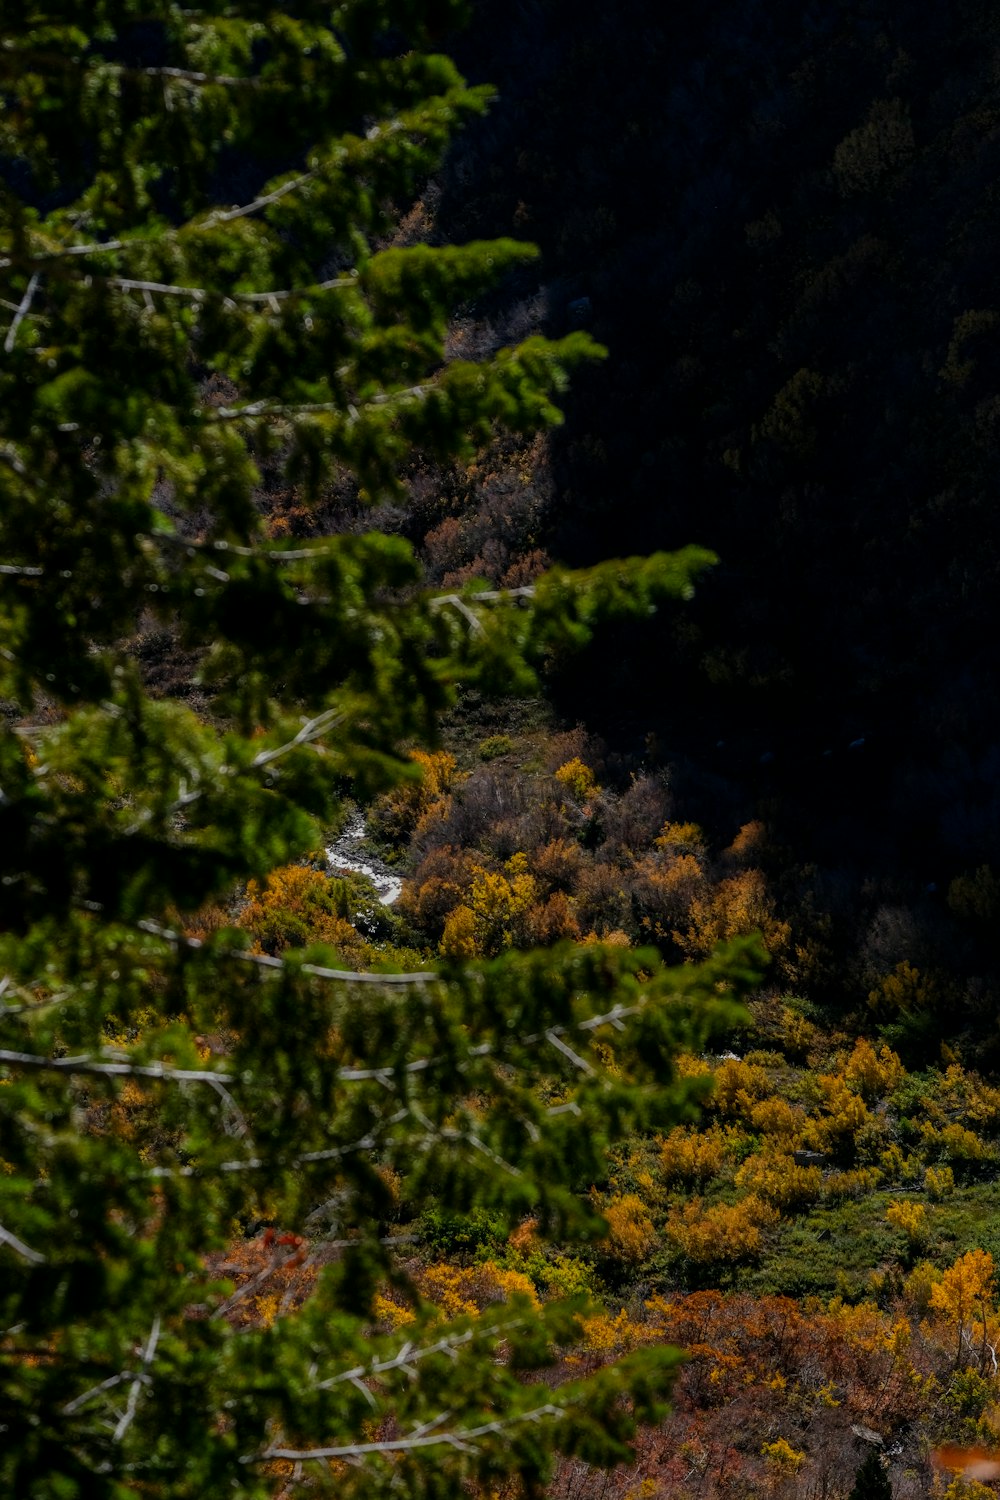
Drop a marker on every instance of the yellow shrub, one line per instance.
(777, 1180)
(578, 779)
(939, 1182)
(783, 1457)
(733, 908)
(905, 989)
(910, 1218)
(898, 1167)
(460, 1291)
(681, 838)
(968, 1489)
(844, 1111)
(686, 1156)
(839, 1186)
(777, 1120)
(399, 811)
(725, 1233)
(961, 1145)
(738, 1087)
(686, 1065)
(395, 1314)
(918, 1286)
(873, 1074)
(605, 1333)
(631, 1235)
(459, 940)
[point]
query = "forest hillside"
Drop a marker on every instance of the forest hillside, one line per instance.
(500, 824)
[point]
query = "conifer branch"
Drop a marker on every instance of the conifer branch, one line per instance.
(203, 294)
(218, 216)
(235, 549)
(226, 216)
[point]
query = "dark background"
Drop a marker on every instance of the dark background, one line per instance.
(782, 220)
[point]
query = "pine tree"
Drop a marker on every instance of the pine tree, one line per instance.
(871, 1481)
(169, 336)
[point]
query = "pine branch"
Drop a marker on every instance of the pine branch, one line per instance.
(203, 294)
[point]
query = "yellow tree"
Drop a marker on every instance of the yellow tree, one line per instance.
(964, 1295)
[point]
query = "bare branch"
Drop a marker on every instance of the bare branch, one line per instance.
(63, 251)
(95, 1390)
(226, 216)
(11, 458)
(567, 1051)
(317, 971)
(265, 409)
(311, 730)
(457, 602)
(367, 1142)
(202, 294)
(139, 1379)
(20, 1248)
(117, 1069)
(408, 1355)
(22, 312)
(272, 554)
(463, 1438)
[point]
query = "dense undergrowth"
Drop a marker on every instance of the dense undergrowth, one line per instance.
(820, 1238)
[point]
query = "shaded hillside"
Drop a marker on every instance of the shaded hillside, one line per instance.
(784, 220)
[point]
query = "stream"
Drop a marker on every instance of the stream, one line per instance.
(343, 855)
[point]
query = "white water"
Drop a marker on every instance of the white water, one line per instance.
(342, 854)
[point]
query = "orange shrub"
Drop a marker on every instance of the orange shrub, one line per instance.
(733, 908)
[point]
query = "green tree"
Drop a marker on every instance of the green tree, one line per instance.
(169, 338)
(871, 1482)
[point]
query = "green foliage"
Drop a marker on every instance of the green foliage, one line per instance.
(462, 1234)
(871, 1481)
(495, 745)
(164, 348)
